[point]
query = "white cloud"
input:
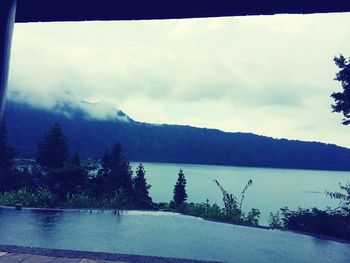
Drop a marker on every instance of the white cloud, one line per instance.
(269, 75)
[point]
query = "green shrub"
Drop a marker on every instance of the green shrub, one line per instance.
(331, 222)
(253, 217)
(275, 221)
(44, 198)
(232, 210)
(81, 200)
(22, 196)
(327, 222)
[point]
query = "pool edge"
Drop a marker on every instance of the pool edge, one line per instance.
(65, 253)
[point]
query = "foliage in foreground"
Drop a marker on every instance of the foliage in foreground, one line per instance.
(342, 99)
(59, 179)
(6, 158)
(275, 221)
(326, 222)
(43, 198)
(58, 182)
(330, 222)
(213, 212)
(233, 207)
(231, 212)
(343, 196)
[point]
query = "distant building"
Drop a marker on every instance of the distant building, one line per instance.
(24, 163)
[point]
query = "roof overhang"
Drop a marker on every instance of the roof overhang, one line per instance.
(86, 10)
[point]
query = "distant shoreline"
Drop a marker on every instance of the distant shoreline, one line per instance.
(30, 161)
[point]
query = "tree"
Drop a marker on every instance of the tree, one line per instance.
(7, 163)
(62, 174)
(141, 194)
(342, 99)
(343, 196)
(120, 168)
(75, 159)
(180, 195)
(7, 154)
(53, 150)
(70, 179)
(115, 174)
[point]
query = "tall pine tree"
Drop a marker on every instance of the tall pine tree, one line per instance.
(115, 173)
(53, 150)
(7, 155)
(141, 194)
(63, 174)
(180, 195)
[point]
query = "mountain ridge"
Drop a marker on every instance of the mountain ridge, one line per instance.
(167, 142)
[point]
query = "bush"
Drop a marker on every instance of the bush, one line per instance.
(275, 221)
(44, 198)
(253, 217)
(23, 196)
(79, 201)
(328, 222)
(232, 210)
(331, 222)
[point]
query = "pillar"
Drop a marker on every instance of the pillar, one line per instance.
(7, 20)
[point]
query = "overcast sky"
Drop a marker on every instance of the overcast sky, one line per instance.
(268, 75)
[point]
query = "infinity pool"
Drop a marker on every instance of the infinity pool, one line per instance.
(162, 234)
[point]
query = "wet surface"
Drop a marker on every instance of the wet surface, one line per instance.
(163, 235)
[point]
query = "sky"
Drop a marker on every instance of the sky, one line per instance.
(269, 75)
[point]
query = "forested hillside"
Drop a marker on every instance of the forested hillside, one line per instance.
(167, 143)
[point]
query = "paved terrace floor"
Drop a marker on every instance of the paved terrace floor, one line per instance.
(14, 254)
(28, 258)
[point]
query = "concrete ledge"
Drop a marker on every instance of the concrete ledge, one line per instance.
(91, 255)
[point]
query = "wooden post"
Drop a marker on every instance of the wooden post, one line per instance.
(7, 20)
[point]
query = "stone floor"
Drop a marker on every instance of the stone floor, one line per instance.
(29, 258)
(12, 253)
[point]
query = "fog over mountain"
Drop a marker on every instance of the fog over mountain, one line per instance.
(165, 143)
(270, 75)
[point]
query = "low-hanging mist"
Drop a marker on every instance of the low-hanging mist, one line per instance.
(167, 143)
(268, 75)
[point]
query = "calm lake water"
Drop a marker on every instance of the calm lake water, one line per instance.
(271, 189)
(163, 234)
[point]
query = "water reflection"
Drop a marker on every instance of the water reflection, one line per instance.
(47, 219)
(46, 223)
(162, 234)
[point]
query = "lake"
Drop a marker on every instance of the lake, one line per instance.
(271, 189)
(163, 234)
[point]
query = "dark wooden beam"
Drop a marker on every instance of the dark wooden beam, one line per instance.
(81, 10)
(7, 19)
